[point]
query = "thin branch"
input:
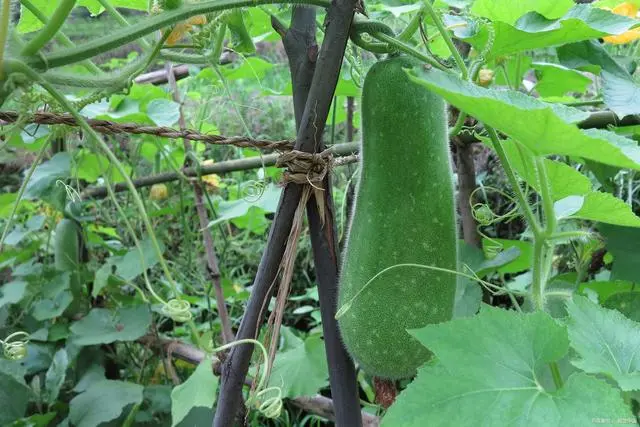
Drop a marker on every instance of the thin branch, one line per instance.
(344, 150)
(203, 216)
(466, 185)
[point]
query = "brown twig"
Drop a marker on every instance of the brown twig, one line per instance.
(113, 128)
(203, 216)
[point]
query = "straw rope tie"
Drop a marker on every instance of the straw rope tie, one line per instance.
(305, 168)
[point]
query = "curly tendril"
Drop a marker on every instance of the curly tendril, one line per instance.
(270, 407)
(253, 190)
(266, 400)
(14, 347)
(485, 216)
(72, 193)
(177, 309)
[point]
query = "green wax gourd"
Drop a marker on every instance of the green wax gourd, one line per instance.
(404, 213)
(68, 254)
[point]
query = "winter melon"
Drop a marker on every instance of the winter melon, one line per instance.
(403, 213)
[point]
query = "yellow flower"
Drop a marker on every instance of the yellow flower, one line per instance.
(630, 10)
(213, 180)
(182, 28)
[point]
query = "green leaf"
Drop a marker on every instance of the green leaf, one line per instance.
(624, 244)
(627, 303)
(549, 128)
(56, 375)
(620, 92)
(102, 402)
(268, 202)
(556, 80)
(521, 262)
(102, 326)
(14, 397)
(606, 341)
(301, 370)
(241, 39)
(12, 292)
(468, 292)
(198, 391)
(604, 289)
(49, 308)
(37, 420)
(491, 368)
(251, 68)
(597, 206)
(128, 266)
(46, 174)
(534, 31)
(509, 10)
(563, 179)
(7, 201)
(28, 22)
(510, 71)
(163, 112)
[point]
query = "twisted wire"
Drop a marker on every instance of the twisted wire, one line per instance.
(113, 128)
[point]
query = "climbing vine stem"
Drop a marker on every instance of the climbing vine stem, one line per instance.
(50, 29)
(447, 39)
(4, 30)
(409, 50)
(146, 26)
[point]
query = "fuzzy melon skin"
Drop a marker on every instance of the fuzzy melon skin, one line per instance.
(403, 213)
(68, 255)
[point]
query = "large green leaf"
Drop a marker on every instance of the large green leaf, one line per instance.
(301, 370)
(102, 326)
(510, 10)
(198, 391)
(606, 341)
(534, 31)
(620, 92)
(492, 368)
(556, 80)
(597, 206)
(102, 402)
(544, 128)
